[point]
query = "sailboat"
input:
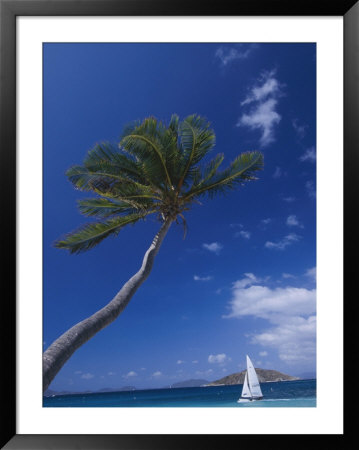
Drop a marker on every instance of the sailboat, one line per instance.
(251, 388)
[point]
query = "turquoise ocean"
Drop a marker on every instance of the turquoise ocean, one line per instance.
(301, 393)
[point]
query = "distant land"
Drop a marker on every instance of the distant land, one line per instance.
(307, 375)
(264, 376)
(189, 383)
(181, 384)
(50, 392)
(123, 388)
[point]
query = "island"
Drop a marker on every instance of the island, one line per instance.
(264, 376)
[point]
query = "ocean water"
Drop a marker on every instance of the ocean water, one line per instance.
(301, 393)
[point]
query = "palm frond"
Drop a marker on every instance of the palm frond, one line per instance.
(209, 170)
(242, 169)
(89, 235)
(106, 157)
(197, 139)
(174, 124)
(107, 181)
(145, 143)
(105, 207)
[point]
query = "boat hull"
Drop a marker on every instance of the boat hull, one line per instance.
(248, 400)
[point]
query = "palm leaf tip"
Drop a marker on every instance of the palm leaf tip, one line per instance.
(105, 207)
(241, 170)
(89, 235)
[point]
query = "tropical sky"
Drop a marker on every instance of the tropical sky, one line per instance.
(243, 281)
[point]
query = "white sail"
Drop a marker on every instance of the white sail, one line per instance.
(253, 382)
(245, 391)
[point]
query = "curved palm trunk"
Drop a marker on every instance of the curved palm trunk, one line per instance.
(61, 350)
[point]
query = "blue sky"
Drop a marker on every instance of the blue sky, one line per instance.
(243, 280)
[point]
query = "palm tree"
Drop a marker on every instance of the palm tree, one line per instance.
(154, 170)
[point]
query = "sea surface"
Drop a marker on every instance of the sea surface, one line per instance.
(301, 393)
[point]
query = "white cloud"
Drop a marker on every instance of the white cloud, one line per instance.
(248, 280)
(111, 373)
(263, 224)
(262, 118)
(87, 376)
(235, 225)
(287, 275)
(130, 374)
(78, 372)
(299, 129)
(214, 247)
(221, 358)
(292, 221)
(290, 313)
(195, 361)
(283, 243)
(229, 54)
(277, 173)
(295, 340)
(179, 361)
(269, 87)
(264, 353)
(157, 374)
(289, 199)
(309, 185)
(309, 155)
(267, 303)
(312, 273)
(197, 278)
(243, 234)
(263, 99)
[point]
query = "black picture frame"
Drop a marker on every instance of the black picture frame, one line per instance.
(9, 10)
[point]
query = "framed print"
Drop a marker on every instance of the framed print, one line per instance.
(130, 126)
